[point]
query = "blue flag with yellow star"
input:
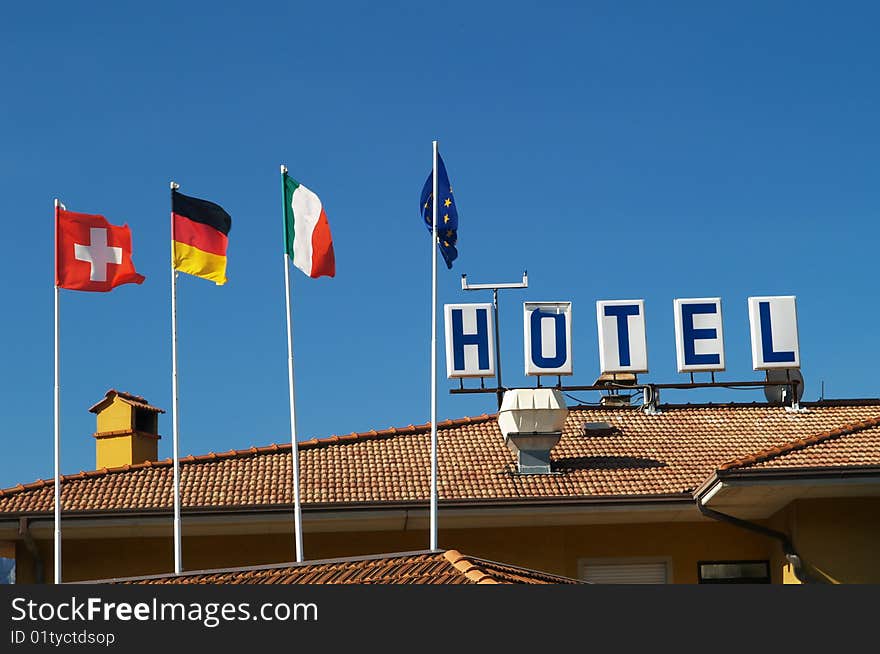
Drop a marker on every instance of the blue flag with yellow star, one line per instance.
(447, 228)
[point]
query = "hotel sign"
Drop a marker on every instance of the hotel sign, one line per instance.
(623, 347)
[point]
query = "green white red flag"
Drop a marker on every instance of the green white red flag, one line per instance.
(306, 231)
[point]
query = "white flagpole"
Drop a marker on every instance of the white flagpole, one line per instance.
(178, 558)
(57, 417)
(294, 450)
(434, 360)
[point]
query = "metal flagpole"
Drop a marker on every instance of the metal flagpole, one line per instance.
(178, 565)
(434, 359)
(57, 417)
(294, 450)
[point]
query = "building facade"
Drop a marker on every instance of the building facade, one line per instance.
(735, 493)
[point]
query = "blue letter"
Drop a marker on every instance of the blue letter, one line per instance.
(767, 338)
(690, 335)
(480, 339)
(561, 344)
(621, 311)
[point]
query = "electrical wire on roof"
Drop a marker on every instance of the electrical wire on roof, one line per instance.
(742, 388)
(639, 395)
(580, 401)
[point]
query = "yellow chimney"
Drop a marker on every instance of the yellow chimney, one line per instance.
(128, 430)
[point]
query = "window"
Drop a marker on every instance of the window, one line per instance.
(734, 572)
(625, 571)
(7, 571)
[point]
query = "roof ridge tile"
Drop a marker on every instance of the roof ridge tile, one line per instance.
(468, 568)
(453, 557)
(129, 398)
(403, 568)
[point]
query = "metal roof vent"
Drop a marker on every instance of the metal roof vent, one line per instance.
(598, 429)
(531, 421)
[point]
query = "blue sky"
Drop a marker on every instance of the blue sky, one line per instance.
(615, 150)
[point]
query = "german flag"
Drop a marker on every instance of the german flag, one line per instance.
(200, 234)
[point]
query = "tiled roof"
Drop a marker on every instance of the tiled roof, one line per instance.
(829, 449)
(444, 567)
(642, 456)
(133, 400)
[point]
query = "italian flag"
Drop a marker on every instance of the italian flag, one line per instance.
(306, 230)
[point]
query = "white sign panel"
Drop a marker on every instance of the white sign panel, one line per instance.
(622, 343)
(773, 323)
(470, 340)
(699, 337)
(547, 338)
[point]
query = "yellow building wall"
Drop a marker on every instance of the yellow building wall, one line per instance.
(552, 549)
(144, 448)
(838, 540)
(116, 417)
(112, 452)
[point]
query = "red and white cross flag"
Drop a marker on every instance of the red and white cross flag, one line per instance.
(92, 254)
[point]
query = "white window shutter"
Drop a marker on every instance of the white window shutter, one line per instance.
(625, 573)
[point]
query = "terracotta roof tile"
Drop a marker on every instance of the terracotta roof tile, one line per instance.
(450, 567)
(859, 449)
(644, 456)
(129, 398)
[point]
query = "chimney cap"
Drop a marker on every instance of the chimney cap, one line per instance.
(129, 398)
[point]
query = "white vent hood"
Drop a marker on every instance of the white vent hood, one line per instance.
(531, 420)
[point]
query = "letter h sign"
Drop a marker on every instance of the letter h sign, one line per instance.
(470, 340)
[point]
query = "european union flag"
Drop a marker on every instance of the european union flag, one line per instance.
(447, 228)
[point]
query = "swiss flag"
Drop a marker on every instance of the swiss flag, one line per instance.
(91, 254)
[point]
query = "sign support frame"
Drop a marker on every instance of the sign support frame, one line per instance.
(465, 286)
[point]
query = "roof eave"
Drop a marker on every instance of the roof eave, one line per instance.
(760, 493)
(374, 516)
(815, 473)
(314, 507)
